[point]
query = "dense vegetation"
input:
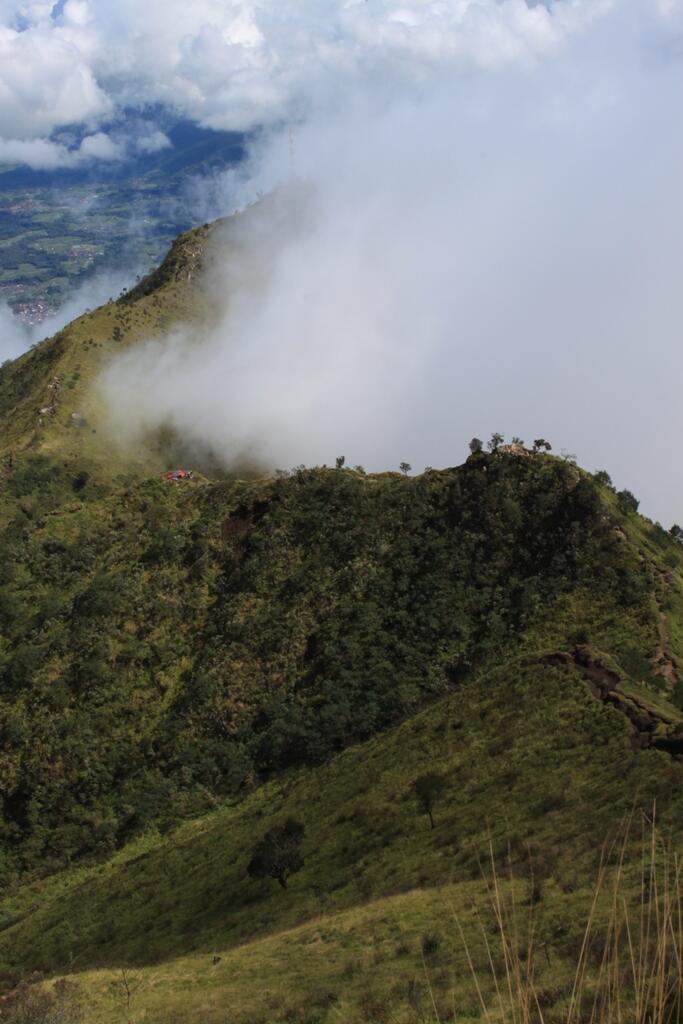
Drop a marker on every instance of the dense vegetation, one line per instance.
(165, 647)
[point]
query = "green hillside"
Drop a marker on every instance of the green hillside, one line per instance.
(51, 416)
(184, 667)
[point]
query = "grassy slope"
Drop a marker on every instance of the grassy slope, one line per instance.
(531, 760)
(531, 755)
(76, 355)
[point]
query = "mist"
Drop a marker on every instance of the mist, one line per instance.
(16, 336)
(480, 248)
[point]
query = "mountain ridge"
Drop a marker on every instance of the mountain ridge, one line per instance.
(182, 665)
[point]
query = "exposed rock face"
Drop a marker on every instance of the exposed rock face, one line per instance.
(515, 449)
(650, 728)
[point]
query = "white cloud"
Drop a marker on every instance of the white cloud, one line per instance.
(42, 154)
(100, 147)
(489, 234)
(487, 249)
(154, 142)
(45, 82)
(77, 12)
(14, 336)
(235, 64)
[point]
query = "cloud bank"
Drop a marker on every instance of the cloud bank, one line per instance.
(495, 246)
(476, 225)
(235, 64)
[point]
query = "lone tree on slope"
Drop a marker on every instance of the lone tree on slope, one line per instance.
(603, 477)
(476, 445)
(627, 501)
(278, 854)
(429, 789)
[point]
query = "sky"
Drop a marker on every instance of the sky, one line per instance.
(472, 221)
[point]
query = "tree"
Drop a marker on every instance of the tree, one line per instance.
(603, 477)
(627, 501)
(496, 441)
(429, 789)
(518, 441)
(405, 468)
(341, 459)
(677, 533)
(278, 854)
(540, 444)
(476, 445)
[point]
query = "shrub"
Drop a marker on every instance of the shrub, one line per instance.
(278, 854)
(79, 482)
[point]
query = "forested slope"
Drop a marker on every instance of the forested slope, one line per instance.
(183, 666)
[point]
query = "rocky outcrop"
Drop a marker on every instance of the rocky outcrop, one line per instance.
(650, 728)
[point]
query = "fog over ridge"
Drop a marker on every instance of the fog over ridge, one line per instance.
(494, 249)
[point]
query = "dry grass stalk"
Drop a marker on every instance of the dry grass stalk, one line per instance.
(629, 968)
